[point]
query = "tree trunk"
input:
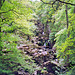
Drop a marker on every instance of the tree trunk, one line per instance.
(67, 62)
(67, 17)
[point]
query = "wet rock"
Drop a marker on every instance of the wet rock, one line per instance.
(46, 63)
(35, 54)
(45, 53)
(34, 50)
(24, 45)
(20, 47)
(56, 63)
(22, 73)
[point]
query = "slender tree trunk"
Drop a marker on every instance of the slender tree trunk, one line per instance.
(67, 21)
(67, 17)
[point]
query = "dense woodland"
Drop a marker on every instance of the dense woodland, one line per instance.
(37, 37)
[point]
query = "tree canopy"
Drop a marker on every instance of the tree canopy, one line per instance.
(18, 19)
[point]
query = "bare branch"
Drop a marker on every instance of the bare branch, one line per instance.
(60, 2)
(66, 2)
(53, 3)
(5, 11)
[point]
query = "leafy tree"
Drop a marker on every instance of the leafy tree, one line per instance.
(14, 16)
(60, 18)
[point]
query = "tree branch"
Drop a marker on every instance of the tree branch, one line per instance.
(66, 2)
(60, 2)
(1, 3)
(12, 11)
(5, 11)
(53, 3)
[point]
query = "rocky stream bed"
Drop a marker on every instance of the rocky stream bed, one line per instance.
(44, 55)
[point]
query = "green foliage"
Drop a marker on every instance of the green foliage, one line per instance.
(56, 18)
(70, 72)
(14, 16)
(65, 38)
(15, 24)
(52, 36)
(66, 44)
(60, 18)
(62, 34)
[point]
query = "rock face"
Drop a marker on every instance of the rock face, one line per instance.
(41, 51)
